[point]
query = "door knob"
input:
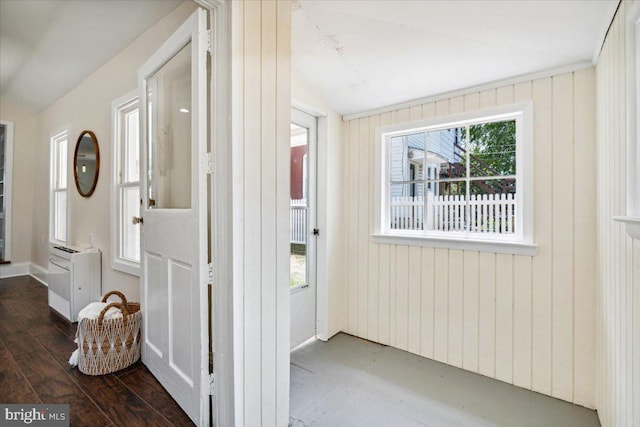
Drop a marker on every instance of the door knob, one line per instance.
(137, 220)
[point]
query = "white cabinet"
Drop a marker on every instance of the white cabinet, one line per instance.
(74, 279)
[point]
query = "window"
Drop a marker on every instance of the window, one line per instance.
(461, 181)
(632, 217)
(58, 185)
(126, 185)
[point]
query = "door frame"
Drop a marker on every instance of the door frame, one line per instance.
(221, 214)
(8, 178)
(298, 117)
(321, 218)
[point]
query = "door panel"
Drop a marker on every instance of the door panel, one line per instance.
(182, 332)
(156, 302)
(173, 93)
(302, 222)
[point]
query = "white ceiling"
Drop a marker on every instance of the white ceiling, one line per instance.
(358, 55)
(47, 47)
(361, 55)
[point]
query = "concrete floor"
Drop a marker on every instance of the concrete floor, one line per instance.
(352, 382)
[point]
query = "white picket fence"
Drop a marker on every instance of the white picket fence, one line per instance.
(484, 213)
(298, 221)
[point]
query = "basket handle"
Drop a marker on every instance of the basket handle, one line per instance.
(120, 294)
(122, 308)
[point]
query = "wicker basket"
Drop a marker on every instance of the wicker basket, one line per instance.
(109, 345)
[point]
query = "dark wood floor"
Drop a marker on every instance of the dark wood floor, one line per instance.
(35, 346)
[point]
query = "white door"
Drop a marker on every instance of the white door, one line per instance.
(303, 223)
(174, 273)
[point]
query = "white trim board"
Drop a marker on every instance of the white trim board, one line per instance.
(632, 59)
(39, 273)
(13, 270)
(478, 88)
(222, 315)
(308, 109)
(24, 269)
(8, 187)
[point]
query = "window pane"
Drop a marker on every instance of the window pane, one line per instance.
(62, 163)
(60, 216)
(298, 211)
(170, 133)
(492, 149)
(445, 154)
(131, 147)
(447, 188)
(446, 206)
(298, 155)
(492, 206)
(406, 206)
(407, 158)
(130, 232)
(493, 186)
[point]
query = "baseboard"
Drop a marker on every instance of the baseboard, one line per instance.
(39, 273)
(24, 269)
(13, 270)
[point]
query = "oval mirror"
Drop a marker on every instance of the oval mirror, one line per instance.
(86, 163)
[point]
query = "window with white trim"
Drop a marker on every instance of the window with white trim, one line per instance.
(126, 185)
(461, 181)
(58, 186)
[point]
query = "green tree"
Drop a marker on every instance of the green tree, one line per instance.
(492, 147)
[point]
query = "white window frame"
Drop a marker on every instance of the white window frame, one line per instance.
(521, 242)
(632, 217)
(8, 179)
(119, 108)
(54, 188)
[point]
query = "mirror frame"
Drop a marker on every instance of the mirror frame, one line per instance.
(75, 163)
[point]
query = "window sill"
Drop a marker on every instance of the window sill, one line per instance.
(500, 247)
(126, 267)
(632, 225)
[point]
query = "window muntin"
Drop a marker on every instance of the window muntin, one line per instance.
(126, 185)
(58, 196)
(457, 179)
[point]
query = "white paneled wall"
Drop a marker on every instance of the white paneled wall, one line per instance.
(261, 103)
(529, 321)
(618, 397)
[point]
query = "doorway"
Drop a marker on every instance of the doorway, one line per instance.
(302, 216)
(6, 166)
(174, 236)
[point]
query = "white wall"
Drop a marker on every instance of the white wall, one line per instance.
(88, 106)
(24, 172)
(330, 242)
(261, 103)
(525, 320)
(618, 397)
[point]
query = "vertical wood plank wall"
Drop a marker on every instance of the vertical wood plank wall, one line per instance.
(261, 103)
(618, 396)
(528, 321)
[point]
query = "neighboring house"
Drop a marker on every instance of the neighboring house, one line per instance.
(408, 163)
(298, 172)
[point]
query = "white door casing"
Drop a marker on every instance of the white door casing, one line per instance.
(174, 268)
(8, 179)
(303, 298)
